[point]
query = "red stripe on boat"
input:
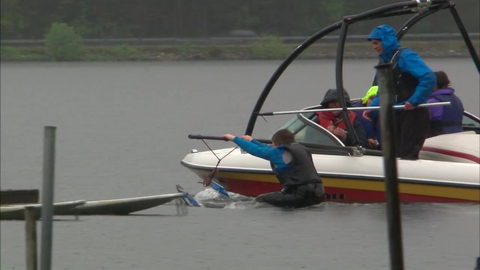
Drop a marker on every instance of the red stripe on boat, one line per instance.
(452, 153)
(254, 188)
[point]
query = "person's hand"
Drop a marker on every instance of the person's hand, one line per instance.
(373, 143)
(228, 137)
(247, 138)
(340, 132)
(367, 114)
(331, 127)
(408, 106)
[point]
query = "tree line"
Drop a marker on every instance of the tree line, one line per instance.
(27, 19)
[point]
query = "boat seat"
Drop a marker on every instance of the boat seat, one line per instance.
(461, 147)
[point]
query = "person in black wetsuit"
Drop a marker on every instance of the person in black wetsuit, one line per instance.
(293, 166)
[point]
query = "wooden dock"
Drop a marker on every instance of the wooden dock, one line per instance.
(20, 196)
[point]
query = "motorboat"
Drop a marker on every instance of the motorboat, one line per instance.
(448, 169)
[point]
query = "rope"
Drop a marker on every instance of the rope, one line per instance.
(208, 181)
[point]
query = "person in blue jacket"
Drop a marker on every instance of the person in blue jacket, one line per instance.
(414, 84)
(448, 119)
(372, 130)
(293, 166)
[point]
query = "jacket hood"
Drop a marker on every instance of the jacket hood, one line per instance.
(332, 94)
(386, 34)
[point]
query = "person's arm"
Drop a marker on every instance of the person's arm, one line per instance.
(361, 134)
(375, 101)
(266, 152)
(249, 138)
(372, 114)
(411, 63)
(436, 113)
(259, 143)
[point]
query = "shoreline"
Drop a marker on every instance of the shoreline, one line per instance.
(189, 52)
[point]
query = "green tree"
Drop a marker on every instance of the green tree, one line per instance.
(12, 21)
(62, 43)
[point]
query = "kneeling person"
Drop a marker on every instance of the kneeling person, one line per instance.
(293, 166)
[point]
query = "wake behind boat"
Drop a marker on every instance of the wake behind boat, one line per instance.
(448, 169)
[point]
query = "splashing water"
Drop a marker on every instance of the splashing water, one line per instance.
(212, 198)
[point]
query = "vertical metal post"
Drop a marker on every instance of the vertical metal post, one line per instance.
(339, 79)
(466, 38)
(47, 198)
(386, 89)
(31, 237)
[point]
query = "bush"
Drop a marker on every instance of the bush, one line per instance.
(125, 52)
(62, 43)
(214, 51)
(270, 47)
(9, 53)
(186, 49)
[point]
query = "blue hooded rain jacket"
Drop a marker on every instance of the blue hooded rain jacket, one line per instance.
(408, 62)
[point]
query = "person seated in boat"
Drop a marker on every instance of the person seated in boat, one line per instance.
(445, 119)
(293, 166)
(371, 128)
(333, 121)
(414, 83)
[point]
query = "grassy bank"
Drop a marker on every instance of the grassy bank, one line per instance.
(263, 49)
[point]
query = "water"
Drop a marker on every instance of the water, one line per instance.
(122, 131)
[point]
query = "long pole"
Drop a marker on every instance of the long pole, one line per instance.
(446, 103)
(386, 87)
(47, 198)
(31, 237)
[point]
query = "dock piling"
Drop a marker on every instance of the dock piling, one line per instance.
(31, 215)
(385, 79)
(47, 198)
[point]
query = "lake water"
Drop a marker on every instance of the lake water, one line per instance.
(122, 131)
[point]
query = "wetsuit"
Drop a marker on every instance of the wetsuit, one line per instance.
(294, 169)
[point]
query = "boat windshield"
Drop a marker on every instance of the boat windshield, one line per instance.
(307, 131)
(471, 122)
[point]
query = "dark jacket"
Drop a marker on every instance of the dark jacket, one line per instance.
(332, 94)
(445, 119)
(372, 129)
(302, 170)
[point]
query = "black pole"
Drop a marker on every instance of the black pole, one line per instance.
(466, 38)
(412, 21)
(386, 88)
(339, 79)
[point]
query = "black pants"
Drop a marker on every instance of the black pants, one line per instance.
(411, 129)
(299, 196)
